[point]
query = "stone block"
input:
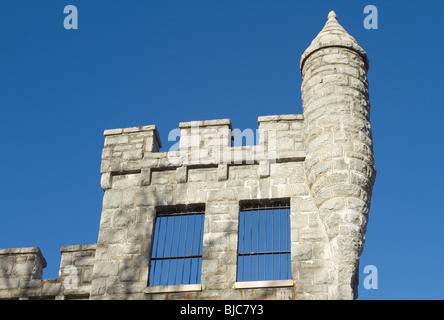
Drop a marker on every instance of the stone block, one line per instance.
(30, 283)
(112, 236)
(22, 269)
(210, 266)
(112, 199)
(223, 194)
(116, 139)
(224, 226)
(264, 169)
(181, 174)
(301, 251)
(98, 287)
(213, 239)
(346, 190)
(6, 265)
(51, 288)
(106, 181)
(222, 172)
(133, 155)
(299, 220)
(106, 269)
(132, 274)
(9, 283)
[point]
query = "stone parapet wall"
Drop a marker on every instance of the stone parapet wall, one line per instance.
(220, 183)
(21, 271)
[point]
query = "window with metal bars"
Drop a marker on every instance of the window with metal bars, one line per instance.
(176, 255)
(264, 241)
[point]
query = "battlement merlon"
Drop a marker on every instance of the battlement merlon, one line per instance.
(141, 138)
(22, 262)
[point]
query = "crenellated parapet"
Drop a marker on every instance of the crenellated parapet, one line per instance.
(206, 143)
(21, 271)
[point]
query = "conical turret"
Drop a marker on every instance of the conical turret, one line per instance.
(339, 149)
(333, 35)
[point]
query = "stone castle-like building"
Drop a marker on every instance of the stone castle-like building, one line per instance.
(283, 219)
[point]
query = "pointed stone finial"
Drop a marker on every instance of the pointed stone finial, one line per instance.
(332, 15)
(333, 35)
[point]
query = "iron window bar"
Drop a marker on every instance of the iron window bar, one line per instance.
(176, 255)
(260, 251)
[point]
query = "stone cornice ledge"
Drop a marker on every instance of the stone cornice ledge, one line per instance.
(175, 288)
(263, 284)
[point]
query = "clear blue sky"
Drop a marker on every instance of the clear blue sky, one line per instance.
(161, 62)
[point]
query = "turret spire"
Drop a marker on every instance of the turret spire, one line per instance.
(333, 35)
(332, 15)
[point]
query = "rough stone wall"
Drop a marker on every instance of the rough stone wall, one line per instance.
(321, 162)
(205, 170)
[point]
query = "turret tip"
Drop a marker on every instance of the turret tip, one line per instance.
(332, 15)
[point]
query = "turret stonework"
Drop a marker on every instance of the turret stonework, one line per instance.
(338, 144)
(283, 219)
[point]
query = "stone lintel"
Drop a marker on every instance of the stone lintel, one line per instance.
(283, 117)
(205, 123)
(78, 247)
